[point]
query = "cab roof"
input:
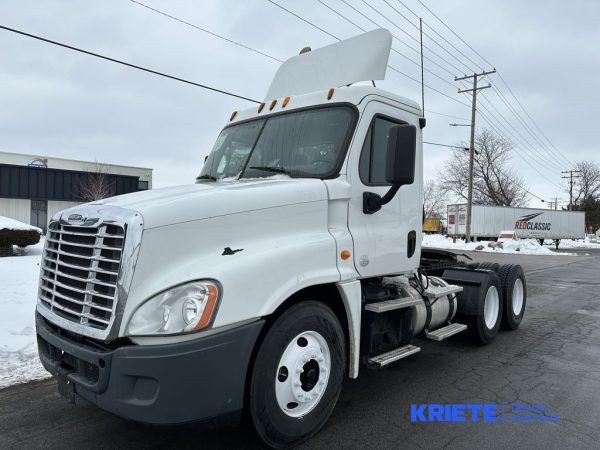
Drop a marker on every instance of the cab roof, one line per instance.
(354, 95)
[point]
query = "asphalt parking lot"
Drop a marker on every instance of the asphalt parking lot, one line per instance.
(552, 359)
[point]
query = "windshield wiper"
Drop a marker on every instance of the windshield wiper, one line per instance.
(206, 177)
(271, 169)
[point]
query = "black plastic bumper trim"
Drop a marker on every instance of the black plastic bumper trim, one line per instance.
(191, 381)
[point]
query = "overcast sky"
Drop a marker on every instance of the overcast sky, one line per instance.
(59, 103)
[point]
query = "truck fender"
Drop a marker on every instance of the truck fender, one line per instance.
(350, 291)
(473, 282)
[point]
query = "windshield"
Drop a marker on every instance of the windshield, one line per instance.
(308, 143)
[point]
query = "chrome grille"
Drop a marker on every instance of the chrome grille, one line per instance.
(80, 270)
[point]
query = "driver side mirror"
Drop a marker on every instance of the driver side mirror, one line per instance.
(399, 166)
(401, 154)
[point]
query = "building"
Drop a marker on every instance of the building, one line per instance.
(33, 188)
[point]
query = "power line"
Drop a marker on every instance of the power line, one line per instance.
(118, 61)
(301, 18)
(304, 20)
(392, 49)
(428, 36)
(389, 66)
(556, 151)
(488, 120)
(543, 160)
(394, 36)
(434, 30)
(212, 33)
(525, 126)
(341, 15)
(525, 189)
(531, 152)
(523, 155)
(455, 34)
(549, 163)
(466, 148)
(446, 115)
(446, 145)
(272, 57)
(531, 118)
(520, 155)
(522, 141)
(405, 32)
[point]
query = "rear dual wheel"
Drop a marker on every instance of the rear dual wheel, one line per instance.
(485, 325)
(503, 302)
(514, 293)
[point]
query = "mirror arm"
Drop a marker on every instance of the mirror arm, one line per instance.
(373, 202)
(390, 194)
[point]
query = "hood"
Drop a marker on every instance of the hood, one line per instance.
(167, 206)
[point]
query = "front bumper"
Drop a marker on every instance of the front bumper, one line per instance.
(198, 380)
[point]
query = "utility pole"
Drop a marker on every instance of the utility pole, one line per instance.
(553, 204)
(570, 178)
(473, 91)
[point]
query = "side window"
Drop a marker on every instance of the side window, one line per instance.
(372, 158)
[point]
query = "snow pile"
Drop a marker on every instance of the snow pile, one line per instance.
(18, 296)
(11, 224)
(521, 246)
(578, 243)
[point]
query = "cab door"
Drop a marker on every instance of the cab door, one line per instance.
(387, 241)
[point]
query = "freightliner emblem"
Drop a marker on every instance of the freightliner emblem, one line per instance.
(76, 218)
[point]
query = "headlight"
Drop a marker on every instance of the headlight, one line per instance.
(182, 309)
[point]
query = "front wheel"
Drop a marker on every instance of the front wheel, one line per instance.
(297, 376)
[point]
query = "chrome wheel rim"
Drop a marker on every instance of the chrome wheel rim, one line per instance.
(302, 374)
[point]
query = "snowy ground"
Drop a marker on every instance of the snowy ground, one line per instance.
(521, 246)
(571, 243)
(18, 292)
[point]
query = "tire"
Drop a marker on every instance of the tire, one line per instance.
(309, 337)
(514, 293)
(489, 266)
(485, 325)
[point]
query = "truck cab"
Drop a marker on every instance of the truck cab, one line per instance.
(293, 260)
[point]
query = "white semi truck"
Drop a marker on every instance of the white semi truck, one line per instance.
(528, 223)
(293, 261)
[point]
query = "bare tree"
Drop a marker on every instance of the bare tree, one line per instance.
(434, 199)
(494, 182)
(97, 183)
(587, 185)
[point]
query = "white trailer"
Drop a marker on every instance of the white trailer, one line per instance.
(293, 261)
(534, 223)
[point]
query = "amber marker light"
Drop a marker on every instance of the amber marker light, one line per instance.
(330, 94)
(285, 102)
(345, 254)
(213, 296)
(233, 114)
(261, 107)
(273, 103)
